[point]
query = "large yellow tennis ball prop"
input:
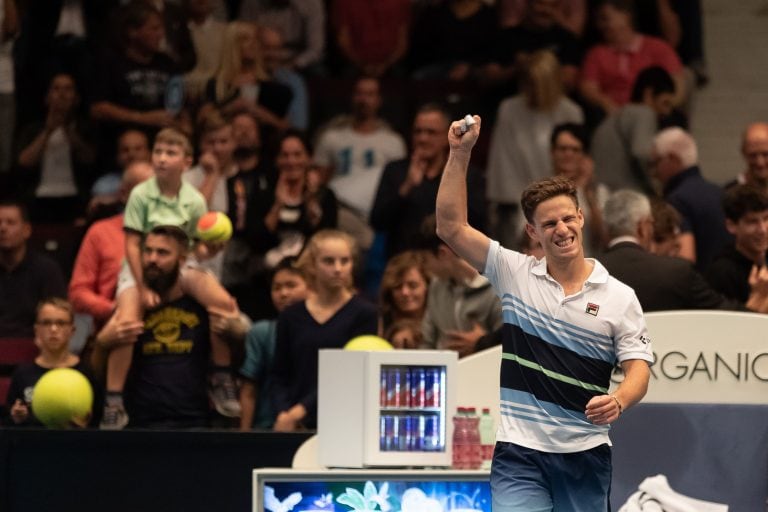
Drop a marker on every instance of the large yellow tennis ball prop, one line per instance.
(368, 342)
(214, 227)
(62, 397)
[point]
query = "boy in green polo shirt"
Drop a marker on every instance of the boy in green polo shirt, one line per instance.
(165, 199)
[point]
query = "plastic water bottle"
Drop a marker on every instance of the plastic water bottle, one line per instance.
(460, 440)
(487, 437)
(475, 447)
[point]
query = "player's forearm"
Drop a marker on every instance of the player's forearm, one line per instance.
(451, 207)
(635, 384)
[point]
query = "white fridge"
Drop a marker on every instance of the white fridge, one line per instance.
(386, 409)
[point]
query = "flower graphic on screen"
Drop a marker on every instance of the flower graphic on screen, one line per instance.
(369, 501)
(324, 502)
(414, 500)
(273, 504)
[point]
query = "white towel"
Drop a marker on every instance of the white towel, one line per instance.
(655, 495)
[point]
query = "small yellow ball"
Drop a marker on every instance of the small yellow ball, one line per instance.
(214, 227)
(368, 342)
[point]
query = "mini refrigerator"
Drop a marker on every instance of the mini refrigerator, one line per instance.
(385, 409)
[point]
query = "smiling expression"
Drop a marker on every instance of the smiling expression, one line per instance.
(558, 225)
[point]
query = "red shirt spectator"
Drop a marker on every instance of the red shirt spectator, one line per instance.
(615, 69)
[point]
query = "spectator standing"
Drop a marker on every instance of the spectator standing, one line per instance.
(520, 148)
(330, 316)
(166, 386)
(57, 156)
(165, 199)
(355, 148)
(131, 89)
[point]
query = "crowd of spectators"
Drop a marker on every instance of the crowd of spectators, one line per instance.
(319, 127)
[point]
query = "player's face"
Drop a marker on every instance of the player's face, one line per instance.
(410, 294)
(169, 160)
(557, 226)
(333, 264)
(287, 288)
(751, 232)
(54, 327)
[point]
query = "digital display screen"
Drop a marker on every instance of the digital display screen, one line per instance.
(395, 495)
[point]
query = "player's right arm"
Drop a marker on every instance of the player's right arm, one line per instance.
(451, 209)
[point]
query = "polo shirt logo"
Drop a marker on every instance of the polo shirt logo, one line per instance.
(592, 308)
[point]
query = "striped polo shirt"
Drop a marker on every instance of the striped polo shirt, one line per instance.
(558, 351)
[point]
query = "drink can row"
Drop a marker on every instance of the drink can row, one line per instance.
(410, 433)
(417, 387)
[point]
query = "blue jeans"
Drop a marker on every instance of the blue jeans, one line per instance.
(527, 480)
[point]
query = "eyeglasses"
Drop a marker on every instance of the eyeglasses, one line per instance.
(51, 323)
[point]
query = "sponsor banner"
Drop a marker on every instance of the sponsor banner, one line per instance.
(709, 357)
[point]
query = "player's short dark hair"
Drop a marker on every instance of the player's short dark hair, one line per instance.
(542, 190)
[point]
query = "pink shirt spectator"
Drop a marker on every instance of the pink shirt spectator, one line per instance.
(94, 276)
(614, 70)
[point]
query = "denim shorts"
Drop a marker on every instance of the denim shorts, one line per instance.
(527, 480)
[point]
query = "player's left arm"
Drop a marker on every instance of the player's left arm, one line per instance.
(605, 409)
